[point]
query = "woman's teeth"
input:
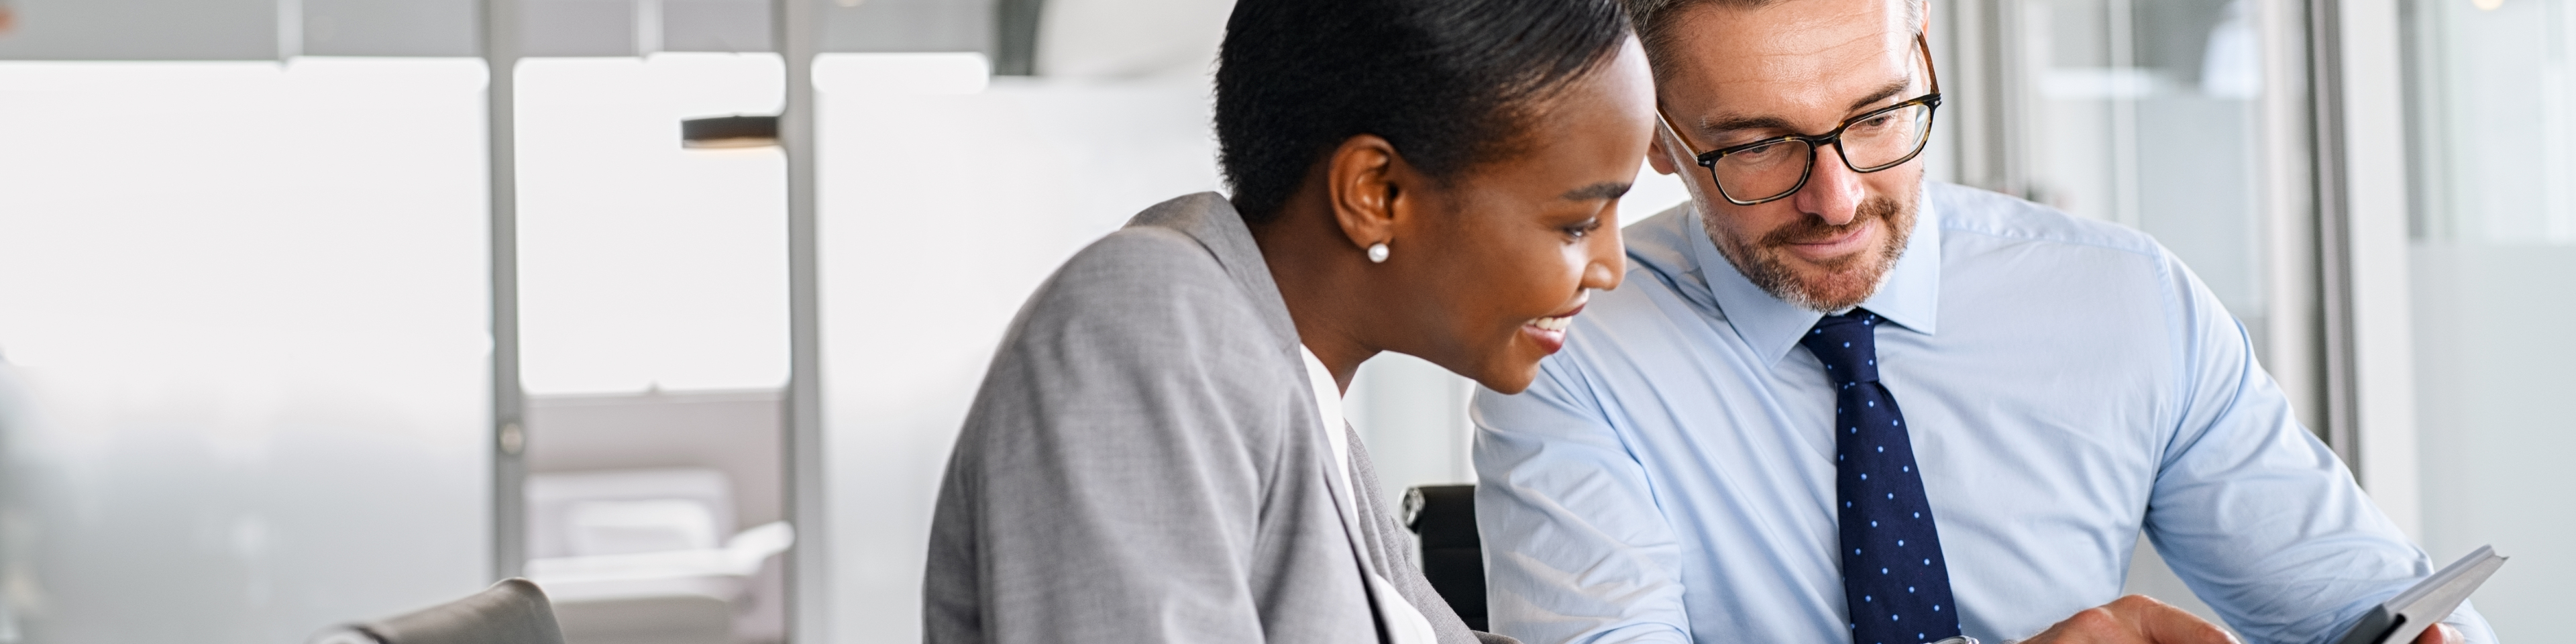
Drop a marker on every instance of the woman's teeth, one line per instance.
(1554, 323)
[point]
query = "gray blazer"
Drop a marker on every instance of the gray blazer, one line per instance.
(1141, 464)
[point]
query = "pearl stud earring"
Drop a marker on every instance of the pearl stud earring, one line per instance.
(1377, 253)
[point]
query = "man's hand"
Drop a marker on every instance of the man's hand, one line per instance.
(2139, 619)
(2441, 634)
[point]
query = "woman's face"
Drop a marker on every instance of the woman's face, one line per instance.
(1495, 262)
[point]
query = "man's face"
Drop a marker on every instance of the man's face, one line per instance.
(1737, 75)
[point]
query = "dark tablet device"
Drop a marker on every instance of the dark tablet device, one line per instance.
(2400, 619)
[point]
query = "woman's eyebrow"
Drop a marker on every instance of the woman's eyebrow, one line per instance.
(1602, 190)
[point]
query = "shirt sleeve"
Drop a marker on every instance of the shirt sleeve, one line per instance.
(1575, 548)
(2254, 512)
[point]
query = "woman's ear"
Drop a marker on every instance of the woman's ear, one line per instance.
(1362, 177)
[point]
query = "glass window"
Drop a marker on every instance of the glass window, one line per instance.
(2145, 113)
(944, 202)
(2155, 115)
(2493, 256)
(243, 307)
(653, 319)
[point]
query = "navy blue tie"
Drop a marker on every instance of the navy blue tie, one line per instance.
(1894, 580)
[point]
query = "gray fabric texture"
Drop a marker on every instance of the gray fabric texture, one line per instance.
(511, 612)
(1141, 464)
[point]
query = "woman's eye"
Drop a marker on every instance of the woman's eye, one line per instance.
(1579, 231)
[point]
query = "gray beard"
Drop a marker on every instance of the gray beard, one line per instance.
(1849, 281)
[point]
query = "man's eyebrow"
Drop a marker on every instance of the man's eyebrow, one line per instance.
(1603, 190)
(1724, 124)
(1884, 92)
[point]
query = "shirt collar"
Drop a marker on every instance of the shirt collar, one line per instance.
(1910, 297)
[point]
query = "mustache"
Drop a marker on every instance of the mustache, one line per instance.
(1812, 228)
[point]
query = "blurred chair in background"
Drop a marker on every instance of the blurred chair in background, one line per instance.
(649, 556)
(511, 612)
(1453, 558)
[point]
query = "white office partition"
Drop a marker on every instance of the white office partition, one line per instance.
(2148, 113)
(643, 264)
(944, 202)
(2494, 276)
(2180, 118)
(243, 311)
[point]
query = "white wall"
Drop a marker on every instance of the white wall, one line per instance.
(940, 213)
(243, 307)
(643, 264)
(2492, 266)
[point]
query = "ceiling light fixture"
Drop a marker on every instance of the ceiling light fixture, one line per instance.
(737, 131)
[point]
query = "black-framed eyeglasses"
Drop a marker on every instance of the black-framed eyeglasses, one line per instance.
(1772, 169)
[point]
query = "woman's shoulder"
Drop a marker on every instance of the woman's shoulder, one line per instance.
(1145, 290)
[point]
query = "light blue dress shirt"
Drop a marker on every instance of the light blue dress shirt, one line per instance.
(1670, 475)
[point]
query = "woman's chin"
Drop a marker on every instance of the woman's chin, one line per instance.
(1509, 375)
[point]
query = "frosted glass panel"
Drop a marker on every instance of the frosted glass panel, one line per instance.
(2144, 112)
(244, 312)
(2494, 264)
(944, 203)
(653, 311)
(645, 265)
(2147, 113)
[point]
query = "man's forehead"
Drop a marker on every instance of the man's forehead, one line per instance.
(1787, 57)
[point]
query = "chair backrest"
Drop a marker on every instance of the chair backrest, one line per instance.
(1453, 557)
(611, 512)
(511, 612)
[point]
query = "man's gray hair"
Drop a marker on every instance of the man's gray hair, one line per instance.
(1650, 17)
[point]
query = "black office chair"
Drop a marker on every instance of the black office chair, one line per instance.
(1444, 516)
(511, 612)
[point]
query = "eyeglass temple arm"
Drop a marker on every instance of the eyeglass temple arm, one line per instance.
(1929, 70)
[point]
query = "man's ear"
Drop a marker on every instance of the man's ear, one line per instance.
(1658, 155)
(1362, 179)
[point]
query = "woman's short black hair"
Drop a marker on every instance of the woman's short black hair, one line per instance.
(1446, 81)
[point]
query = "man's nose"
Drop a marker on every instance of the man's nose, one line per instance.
(1833, 190)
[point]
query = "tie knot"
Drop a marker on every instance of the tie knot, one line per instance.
(1846, 344)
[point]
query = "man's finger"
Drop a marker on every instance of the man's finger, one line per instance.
(2441, 634)
(2162, 623)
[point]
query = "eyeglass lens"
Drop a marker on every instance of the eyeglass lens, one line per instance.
(1869, 145)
